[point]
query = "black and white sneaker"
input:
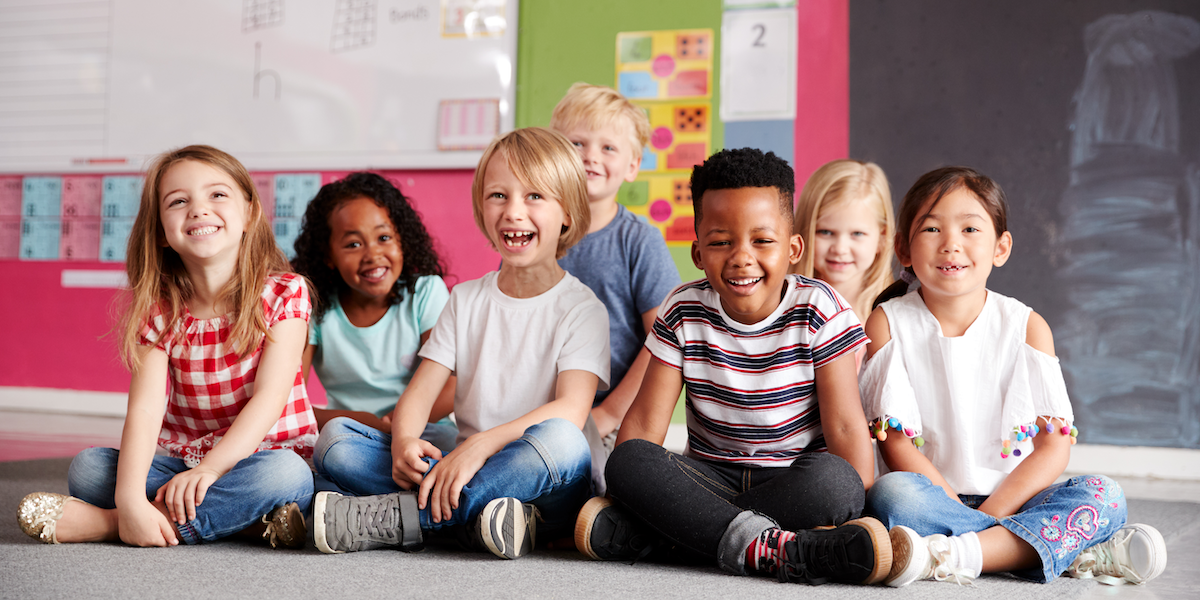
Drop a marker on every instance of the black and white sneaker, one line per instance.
(857, 552)
(603, 531)
(507, 527)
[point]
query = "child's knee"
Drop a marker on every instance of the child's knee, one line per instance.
(285, 472)
(632, 462)
(328, 449)
(92, 476)
(560, 441)
(893, 492)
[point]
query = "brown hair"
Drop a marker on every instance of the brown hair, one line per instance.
(157, 277)
(543, 159)
(924, 195)
(834, 185)
(596, 106)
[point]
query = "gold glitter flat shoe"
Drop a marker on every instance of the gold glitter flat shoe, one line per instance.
(285, 527)
(39, 513)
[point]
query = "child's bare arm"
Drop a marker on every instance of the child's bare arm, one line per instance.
(139, 523)
(440, 488)
(898, 451)
(842, 419)
(409, 418)
(273, 383)
(444, 405)
(1051, 451)
(610, 412)
(650, 415)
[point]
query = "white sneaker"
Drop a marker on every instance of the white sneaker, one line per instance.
(915, 557)
(1134, 554)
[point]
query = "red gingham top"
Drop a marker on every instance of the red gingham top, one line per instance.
(209, 386)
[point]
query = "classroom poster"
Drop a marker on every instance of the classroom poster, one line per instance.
(669, 74)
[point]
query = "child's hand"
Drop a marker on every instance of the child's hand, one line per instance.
(143, 524)
(184, 492)
(408, 468)
(445, 481)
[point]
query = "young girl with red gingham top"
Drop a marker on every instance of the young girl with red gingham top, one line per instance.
(215, 317)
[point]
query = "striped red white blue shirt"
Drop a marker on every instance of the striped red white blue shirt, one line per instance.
(750, 389)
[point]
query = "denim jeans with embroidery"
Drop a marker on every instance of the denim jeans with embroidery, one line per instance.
(255, 486)
(1059, 522)
(549, 466)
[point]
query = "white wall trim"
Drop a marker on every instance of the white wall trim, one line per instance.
(1116, 461)
(78, 402)
(1086, 459)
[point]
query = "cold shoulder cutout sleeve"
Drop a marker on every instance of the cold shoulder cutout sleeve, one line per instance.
(887, 393)
(1036, 401)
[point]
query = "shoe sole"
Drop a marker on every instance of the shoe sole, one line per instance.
(504, 534)
(1158, 550)
(583, 525)
(881, 542)
(905, 546)
(319, 523)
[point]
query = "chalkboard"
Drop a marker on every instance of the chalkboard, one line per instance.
(1088, 115)
(93, 85)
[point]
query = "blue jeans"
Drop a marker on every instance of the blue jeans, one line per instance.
(1059, 522)
(255, 486)
(549, 466)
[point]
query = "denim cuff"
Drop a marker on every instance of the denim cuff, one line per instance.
(743, 529)
(188, 534)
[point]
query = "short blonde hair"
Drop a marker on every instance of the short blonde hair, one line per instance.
(544, 160)
(834, 185)
(596, 106)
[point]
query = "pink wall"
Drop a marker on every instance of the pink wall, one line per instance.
(55, 337)
(822, 85)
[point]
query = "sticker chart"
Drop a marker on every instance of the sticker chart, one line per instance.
(669, 74)
(90, 217)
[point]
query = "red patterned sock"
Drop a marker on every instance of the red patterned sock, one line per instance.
(766, 553)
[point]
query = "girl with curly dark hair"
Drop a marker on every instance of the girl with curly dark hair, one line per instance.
(378, 292)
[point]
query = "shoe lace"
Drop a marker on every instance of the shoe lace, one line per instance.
(1101, 562)
(805, 562)
(377, 520)
(940, 564)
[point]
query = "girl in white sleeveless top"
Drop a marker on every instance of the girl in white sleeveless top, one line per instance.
(972, 417)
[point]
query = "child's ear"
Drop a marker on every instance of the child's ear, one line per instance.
(696, 256)
(1003, 249)
(796, 248)
(635, 166)
(903, 257)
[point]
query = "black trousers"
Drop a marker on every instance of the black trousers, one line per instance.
(692, 502)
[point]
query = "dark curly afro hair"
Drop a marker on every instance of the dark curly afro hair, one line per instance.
(312, 245)
(739, 168)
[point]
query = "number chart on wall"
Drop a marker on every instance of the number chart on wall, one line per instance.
(386, 84)
(669, 74)
(90, 217)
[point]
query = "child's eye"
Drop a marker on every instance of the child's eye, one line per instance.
(577, 144)
(931, 230)
(824, 232)
(353, 245)
(719, 243)
(970, 229)
(496, 196)
(859, 233)
(385, 238)
(764, 241)
(611, 148)
(174, 201)
(535, 196)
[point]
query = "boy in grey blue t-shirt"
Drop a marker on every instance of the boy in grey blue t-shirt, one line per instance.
(623, 260)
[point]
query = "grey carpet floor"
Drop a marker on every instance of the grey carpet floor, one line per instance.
(234, 569)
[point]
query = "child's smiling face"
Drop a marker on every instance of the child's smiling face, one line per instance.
(846, 242)
(203, 212)
(523, 223)
(609, 157)
(745, 246)
(365, 249)
(954, 246)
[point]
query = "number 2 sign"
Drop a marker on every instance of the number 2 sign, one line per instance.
(758, 65)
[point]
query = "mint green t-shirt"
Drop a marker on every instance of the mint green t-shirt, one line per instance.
(367, 368)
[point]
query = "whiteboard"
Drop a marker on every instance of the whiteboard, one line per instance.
(101, 85)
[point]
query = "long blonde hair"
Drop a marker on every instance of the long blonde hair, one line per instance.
(158, 279)
(834, 185)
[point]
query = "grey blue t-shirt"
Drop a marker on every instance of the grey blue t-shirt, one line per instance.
(628, 267)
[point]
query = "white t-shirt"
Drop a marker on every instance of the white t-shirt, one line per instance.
(507, 352)
(964, 395)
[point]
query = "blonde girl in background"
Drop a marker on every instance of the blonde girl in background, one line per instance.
(216, 320)
(845, 217)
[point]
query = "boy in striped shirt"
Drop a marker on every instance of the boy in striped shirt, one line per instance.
(777, 445)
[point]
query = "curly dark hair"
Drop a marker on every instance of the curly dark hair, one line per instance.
(743, 167)
(312, 245)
